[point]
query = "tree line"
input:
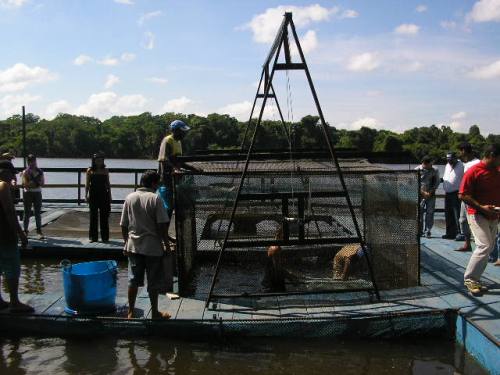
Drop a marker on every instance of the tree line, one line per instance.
(139, 136)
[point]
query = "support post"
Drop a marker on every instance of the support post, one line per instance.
(24, 137)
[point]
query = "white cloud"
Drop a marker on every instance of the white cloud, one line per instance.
(456, 125)
(126, 2)
(448, 25)
(364, 62)
(486, 72)
(421, 8)
(82, 60)
(458, 115)
(349, 13)
(239, 110)
(109, 61)
(264, 26)
(407, 29)
(159, 80)
(176, 105)
(308, 42)
(19, 76)
(413, 66)
(485, 11)
(242, 110)
(111, 80)
(367, 122)
(12, 3)
(127, 56)
(148, 40)
(147, 16)
(11, 104)
(108, 103)
(54, 108)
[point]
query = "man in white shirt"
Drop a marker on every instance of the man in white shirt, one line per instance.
(453, 173)
(144, 225)
(467, 156)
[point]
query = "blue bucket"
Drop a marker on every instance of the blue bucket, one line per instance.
(90, 287)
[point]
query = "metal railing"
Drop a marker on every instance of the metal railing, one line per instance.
(80, 173)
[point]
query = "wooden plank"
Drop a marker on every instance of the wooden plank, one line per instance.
(191, 309)
(319, 305)
(292, 307)
(266, 308)
(219, 311)
(167, 305)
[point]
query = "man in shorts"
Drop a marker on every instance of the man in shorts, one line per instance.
(10, 232)
(144, 224)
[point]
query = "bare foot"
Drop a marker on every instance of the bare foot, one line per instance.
(161, 315)
(20, 308)
(130, 314)
(497, 263)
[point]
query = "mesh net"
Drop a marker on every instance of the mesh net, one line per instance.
(292, 231)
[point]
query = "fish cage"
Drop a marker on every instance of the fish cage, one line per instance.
(292, 231)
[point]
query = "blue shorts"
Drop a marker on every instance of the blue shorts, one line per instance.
(10, 261)
(153, 267)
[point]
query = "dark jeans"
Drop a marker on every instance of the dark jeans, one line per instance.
(32, 199)
(452, 213)
(99, 214)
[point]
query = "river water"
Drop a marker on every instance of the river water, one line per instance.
(155, 356)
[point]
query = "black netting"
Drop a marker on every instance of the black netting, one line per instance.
(293, 231)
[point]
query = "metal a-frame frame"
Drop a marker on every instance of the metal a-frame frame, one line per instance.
(270, 66)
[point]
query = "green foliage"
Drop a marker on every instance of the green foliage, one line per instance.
(140, 136)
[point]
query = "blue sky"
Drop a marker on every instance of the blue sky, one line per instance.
(384, 64)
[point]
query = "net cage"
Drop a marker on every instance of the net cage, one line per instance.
(292, 230)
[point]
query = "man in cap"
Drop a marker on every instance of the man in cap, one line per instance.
(10, 232)
(453, 173)
(170, 149)
(429, 182)
(7, 156)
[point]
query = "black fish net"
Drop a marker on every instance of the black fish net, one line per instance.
(293, 231)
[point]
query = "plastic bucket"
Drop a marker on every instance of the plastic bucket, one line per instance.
(90, 287)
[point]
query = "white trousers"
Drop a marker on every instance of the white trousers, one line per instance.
(485, 232)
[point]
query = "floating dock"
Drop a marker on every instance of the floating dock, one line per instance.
(439, 306)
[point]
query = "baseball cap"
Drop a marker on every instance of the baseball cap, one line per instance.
(7, 156)
(178, 124)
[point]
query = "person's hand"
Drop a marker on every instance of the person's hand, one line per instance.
(489, 211)
(24, 240)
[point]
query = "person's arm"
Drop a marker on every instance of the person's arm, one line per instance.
(487, 210)
(170, 158)
(24, 179)
(87, 184)
(163, 228)
(108, 185)
(42, 178)
(10, 212)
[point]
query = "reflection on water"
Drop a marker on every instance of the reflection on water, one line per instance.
(111, 356)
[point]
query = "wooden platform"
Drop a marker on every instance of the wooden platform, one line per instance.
(440, 306)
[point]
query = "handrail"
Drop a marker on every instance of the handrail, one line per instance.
(81, 184)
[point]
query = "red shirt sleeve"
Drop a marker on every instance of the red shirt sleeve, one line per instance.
(467, 184)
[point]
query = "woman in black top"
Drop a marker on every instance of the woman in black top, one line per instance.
(98, 196)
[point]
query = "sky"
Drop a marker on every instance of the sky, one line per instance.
(386, 64)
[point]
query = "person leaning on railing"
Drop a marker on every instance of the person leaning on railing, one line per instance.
(98, 196)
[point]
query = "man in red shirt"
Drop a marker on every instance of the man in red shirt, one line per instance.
(480, 190)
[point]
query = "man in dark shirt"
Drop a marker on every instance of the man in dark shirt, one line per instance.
(10, 231)
(480, 190)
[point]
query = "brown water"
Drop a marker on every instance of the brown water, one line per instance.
(108, 356)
